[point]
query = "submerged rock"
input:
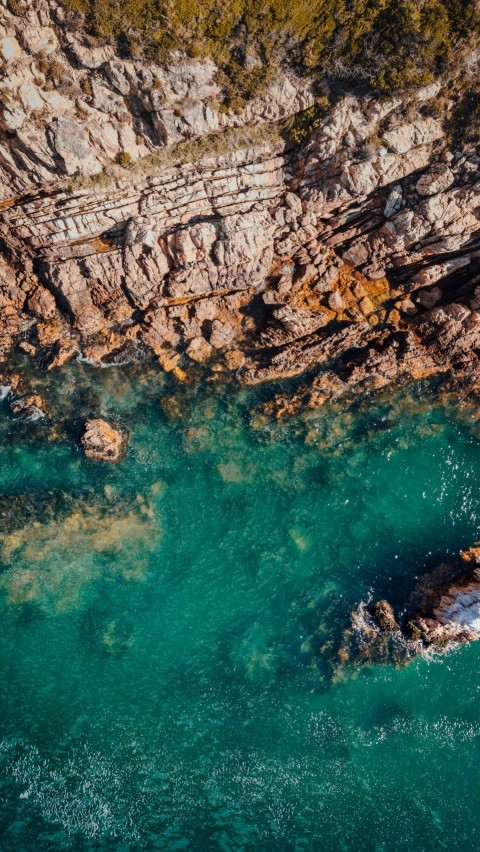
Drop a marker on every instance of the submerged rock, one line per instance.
(50, 563)
(101, 442)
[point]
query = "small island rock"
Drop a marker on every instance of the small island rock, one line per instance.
(101, 442)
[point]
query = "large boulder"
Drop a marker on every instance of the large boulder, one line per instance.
(101, 442)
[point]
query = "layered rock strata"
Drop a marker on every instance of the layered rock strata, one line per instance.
(135, 211)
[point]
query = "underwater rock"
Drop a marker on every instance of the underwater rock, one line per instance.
(19, 509)
(53, 546)
(443, 612)
(101, 442)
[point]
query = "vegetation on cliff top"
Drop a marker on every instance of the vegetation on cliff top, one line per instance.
(384, 45)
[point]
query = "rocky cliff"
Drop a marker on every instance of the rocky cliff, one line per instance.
(314, 230)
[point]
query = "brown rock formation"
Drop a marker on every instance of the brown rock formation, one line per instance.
(101, 442)
(30, 406)
(443, 612)
(357, 259)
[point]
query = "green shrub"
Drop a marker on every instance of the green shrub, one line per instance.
(86, 86)
(302, 125)
(54, 71)
(382, 45)
(124, 159)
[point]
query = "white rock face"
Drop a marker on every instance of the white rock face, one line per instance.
(124, 108)
(71, 144)
(394, 202)
(90, 57)
(407, 136)
(10, 49)
(40, 40)
(463, 609)
(435, 180)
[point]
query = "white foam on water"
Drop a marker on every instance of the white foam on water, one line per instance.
(82, 795)
(82, 359)
(122, 360)
(254, 797)
(443, 732)
(35, 414)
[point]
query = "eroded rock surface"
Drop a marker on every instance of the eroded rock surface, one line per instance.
(101, 442)
(135, 211)
(443, 612)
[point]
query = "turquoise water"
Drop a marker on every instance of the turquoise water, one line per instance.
(170, 626)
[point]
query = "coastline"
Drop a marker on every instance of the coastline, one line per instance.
(311, 231)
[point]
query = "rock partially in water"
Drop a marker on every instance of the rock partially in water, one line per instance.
(169, 360)
(10, 383)
(61, 352)
(30, 406)
(448, 613)
(443, 612)
(101, 442)
(27, 348)
(384, 616)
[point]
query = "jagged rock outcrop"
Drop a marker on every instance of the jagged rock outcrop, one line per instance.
(442, 613)
(136, 211)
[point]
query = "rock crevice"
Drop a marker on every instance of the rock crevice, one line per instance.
(132, 208)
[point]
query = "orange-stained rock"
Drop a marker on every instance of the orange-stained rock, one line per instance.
(101, 442)
(62, 352)
(30, 406)
(168, 360)
(48, 333)
(234, 359)
(42, 304)
(199, 350)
